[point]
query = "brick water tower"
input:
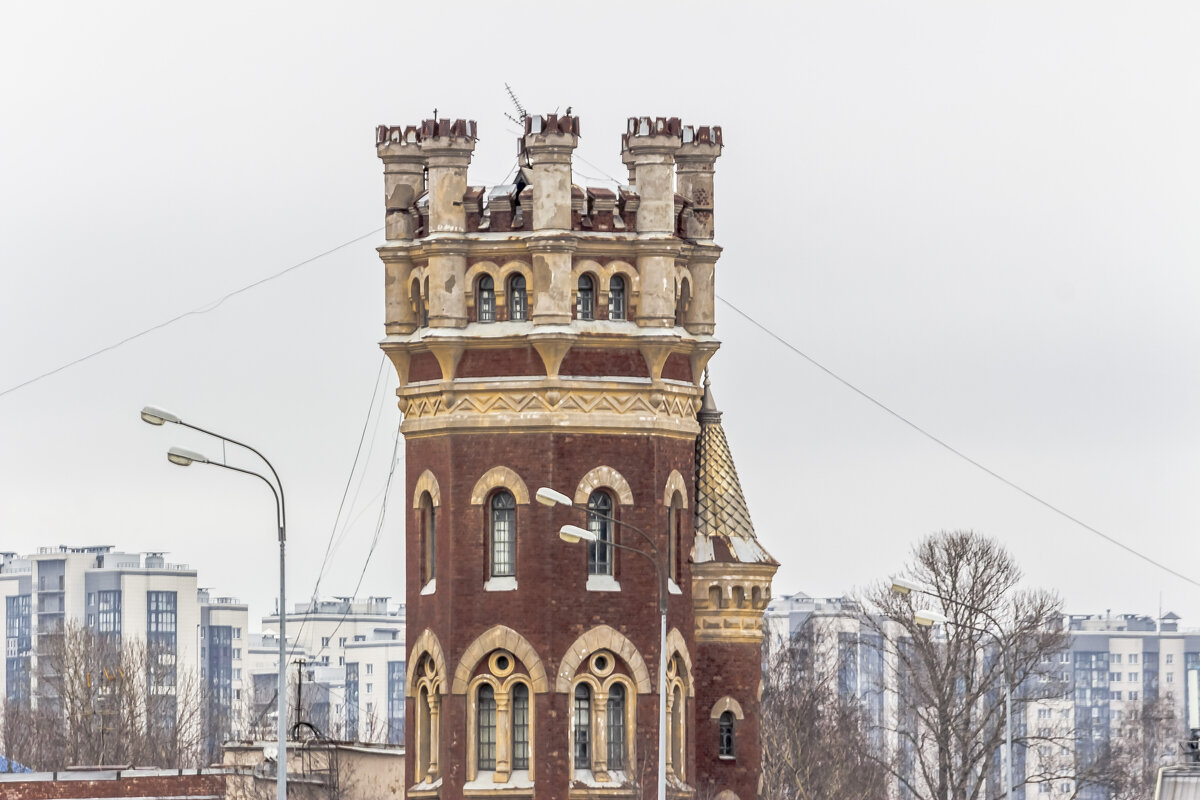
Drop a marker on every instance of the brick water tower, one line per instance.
(548, 335)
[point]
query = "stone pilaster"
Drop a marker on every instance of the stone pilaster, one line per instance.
(448, 147)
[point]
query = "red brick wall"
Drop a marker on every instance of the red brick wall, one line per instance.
(149, 786)
(734, 670)
(598, 363)
(551, 607)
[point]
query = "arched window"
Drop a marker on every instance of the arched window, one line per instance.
(518, 302)
(600, 552)
(616, 727)
(616, 297)
(520, 726)
(503, 530)
(585, 299)
(675, 538)
(424, 737)
(485, 727)
(583, 726)
(725, 735)
(676, 746)
(428, 539)
(485, 299)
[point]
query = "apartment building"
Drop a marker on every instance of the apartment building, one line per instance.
(131, 600)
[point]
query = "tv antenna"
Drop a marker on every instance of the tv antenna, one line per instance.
(522, 113)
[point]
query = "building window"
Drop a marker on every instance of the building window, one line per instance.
(108, 616)
(1133, 695)
(1133, 658)
(616, 727)
(1170, 677)
(370, 669)
(1113, 677)
(616, 297)
(674, 538)
(237, 633)
(518, 304)
(486, 299)
(395, 709)
(583, 726)
(428, 539)
(1116, 696)
(341, 641)
(370, 688)
(725, 735)
(237, 652)
(324, 641)
(1133, 676)
(503, 534)
(485, 727)
(1115, 658)
(1170, 658)
(428, 713)
(600, 552)
(585, 298)
(520, 726)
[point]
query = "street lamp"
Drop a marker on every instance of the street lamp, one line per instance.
(574, 534)
(183, 457)
(927, 617)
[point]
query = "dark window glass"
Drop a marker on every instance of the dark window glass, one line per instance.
(616, 297)
(518, 305)
(583, 726)
(616, 727)
(504, 534)
(486, 299)
(396, 702)
(600, 552)
(108, 612)
(352, 700)
(585, 299)
(725, 743)
(520, 726)
(486, 728)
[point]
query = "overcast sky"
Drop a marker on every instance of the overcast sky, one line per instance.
(983, 215)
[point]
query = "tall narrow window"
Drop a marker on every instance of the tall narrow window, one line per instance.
(616, 297)
(485, 301)
(425, 304)
(503, 530)
(520, 726)
(518, 302)
(585, 299)
(486, 727)
(583, 726)
(600, 552)
(674, 537)
(428, 539)
(616, 727)
(424, 734)
(676, 746)
(725, 735)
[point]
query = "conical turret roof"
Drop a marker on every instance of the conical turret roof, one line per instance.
(724, 532)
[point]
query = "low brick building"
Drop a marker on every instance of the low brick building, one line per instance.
(115, 783)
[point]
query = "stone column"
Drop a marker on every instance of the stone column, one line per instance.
(435, 734)
(447, 146)
(694, 163)
(403, 177)
(548, 144)
(503, 738)
(650, 146)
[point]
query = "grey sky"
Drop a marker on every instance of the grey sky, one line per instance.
(981, 214)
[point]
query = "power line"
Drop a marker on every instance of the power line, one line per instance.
(204, 309)
(941, 443)
(342, 503)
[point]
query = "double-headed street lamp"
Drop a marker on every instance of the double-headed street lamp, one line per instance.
(575, 534)
(929, 617)
(183, 458)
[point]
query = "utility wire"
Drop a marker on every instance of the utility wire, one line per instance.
(341, 504)
(879, 404)
(204, 309)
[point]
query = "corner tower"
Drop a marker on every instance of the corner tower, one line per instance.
(550, 335)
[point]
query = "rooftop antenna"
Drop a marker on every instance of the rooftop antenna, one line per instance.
(521, 112)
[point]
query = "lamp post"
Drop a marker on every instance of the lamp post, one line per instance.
(929, 617)
(183, 458)
(574, 534)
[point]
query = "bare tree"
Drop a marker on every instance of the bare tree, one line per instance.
(816, 740)
(99, 700)
(951, 681)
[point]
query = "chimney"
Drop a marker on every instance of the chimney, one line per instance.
(447, 145)
(694, 163)
(649, 145)
(547, 144)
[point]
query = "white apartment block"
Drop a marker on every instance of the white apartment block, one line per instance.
(1114, 667)
(353, 654)
(128, 597)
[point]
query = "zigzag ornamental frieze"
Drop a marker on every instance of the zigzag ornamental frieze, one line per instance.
(669, 408)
